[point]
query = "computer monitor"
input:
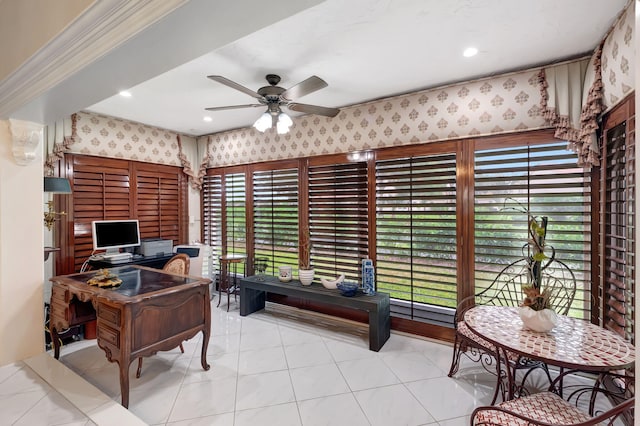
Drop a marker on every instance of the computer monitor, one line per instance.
(112, 235)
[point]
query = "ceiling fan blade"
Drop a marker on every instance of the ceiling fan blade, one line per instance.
(234, 85)
(305, 87)
(314, 109)
(221, 108)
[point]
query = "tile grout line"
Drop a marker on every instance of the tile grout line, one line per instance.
(51, 371)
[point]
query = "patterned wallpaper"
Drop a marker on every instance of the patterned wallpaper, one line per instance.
(499, 104)
(618, 58)
(117, 138)
(506, 103)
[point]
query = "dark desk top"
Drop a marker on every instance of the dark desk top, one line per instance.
(136, 281)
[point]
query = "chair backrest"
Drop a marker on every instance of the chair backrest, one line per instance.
(506, 288)
(178, 264)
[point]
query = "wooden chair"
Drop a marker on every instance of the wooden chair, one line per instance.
(506, 290)
(545, 409)
(178, 264)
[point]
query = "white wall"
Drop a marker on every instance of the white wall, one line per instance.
(21, 254)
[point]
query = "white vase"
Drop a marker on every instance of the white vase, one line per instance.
(285, 274)
(540, 321)
(305, 276)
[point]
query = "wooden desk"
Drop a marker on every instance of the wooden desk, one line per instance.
(253, 297)
(150, 311)
(573, 344)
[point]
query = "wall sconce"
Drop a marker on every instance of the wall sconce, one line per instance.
(54, 185)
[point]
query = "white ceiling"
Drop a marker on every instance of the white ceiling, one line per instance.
(364, 50)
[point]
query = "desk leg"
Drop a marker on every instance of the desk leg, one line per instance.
(55, 340)
(251, 300)
(124, 380)
(379, 327)
(206, 332)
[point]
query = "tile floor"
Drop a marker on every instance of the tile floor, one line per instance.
(274, 367)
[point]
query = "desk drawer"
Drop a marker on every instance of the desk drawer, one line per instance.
(108, 335)
(109, 314)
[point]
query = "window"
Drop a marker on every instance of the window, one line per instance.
(113, 189)
(618, 245)
(546, 180)
(158, 205)
(275, 218)
(235, 214)
(416, 234)
(338, 219)
(427, 205)
(212, 215)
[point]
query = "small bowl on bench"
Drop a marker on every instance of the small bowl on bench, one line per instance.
(348, 288)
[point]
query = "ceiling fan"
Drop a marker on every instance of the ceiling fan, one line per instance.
(274, 97)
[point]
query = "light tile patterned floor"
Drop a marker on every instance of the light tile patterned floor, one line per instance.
(275, 367)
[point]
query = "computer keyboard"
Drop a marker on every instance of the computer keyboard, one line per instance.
(117, 257)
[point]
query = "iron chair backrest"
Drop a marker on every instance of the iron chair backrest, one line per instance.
(506, 288)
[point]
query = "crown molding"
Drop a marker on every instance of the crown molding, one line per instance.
(105, 25)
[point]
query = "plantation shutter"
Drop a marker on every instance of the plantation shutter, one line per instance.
(546, 180)
(416, 235)
(275, 217)
(619, 230)
(212, 215)
(159, 204)
(99, 193)
(235, 216)
(338, 219)
(115, 189)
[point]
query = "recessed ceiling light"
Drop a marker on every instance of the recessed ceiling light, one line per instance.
(469, 52)
(125, 94)
(207, 118)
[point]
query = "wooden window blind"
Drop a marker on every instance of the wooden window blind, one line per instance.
(159, 204)
(619, 228)
(99, 193)
(114, 189)
(235, 216)
(275, 218)
(338, 219)
(212, 215)
(546, 180)
(416, 235)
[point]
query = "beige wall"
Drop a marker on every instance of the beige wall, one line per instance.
(21, 251)
(38, 22)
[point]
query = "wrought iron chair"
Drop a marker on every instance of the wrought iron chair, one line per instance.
(546, 409)
(506, 290)
(178, 264)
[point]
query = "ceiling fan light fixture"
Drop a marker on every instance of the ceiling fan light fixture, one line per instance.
(284, 123)
(263, 123)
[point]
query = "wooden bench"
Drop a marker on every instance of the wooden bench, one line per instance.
(253, 295)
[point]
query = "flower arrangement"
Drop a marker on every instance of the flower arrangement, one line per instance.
(536, 297)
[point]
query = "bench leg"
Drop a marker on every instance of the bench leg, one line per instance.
(251, 300)
(379, 328)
